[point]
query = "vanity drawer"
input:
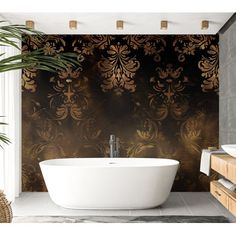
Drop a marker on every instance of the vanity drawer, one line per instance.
(219, 194)
(232, 206)
(219, 165)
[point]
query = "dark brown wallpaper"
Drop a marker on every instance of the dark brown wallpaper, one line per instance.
(157, 93)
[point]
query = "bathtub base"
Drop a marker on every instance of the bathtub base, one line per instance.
(109, 208)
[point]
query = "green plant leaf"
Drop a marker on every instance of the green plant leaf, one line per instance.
(9, 37)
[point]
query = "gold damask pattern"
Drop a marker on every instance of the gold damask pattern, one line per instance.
(188, 44)
(51, 45)
(151, 45)
(116, 66)
(28, 82)
(210, 69)
(157, 93)
(91, 42)
(168, 84)
(69, 98)
(168, 96)
(118, 70)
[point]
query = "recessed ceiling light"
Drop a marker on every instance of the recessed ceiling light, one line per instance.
(119, 24)
(164, 25)
(29, 24)
(205, 24)
(73, 24)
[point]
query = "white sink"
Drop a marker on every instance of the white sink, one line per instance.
(230, 149)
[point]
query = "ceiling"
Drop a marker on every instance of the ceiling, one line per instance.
(134, 23)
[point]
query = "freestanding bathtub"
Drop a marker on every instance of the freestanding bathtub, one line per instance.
(109, 183)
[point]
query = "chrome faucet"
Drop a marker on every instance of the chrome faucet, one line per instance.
(114, 146)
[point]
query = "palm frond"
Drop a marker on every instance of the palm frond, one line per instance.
(4, 139)
(10, 35)
(10, 32)
(37, 60)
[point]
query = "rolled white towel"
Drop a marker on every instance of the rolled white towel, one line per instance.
(229, 185)
(205, 164)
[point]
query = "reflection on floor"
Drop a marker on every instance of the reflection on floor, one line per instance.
(121, 219)
(178, 203)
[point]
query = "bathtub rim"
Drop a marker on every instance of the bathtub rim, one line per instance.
(170, 162)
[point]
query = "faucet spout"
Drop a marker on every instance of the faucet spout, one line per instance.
(114, 146)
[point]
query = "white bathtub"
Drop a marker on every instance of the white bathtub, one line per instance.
(109, 183)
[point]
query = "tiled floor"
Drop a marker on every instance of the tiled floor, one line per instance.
(178, 203)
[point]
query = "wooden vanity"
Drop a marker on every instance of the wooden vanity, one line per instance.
(225, 165)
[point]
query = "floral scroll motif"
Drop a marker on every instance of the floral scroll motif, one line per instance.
(116, 65)
(148, 137)
(151, 45)
(168, 96)
(149, 131)
(160, 110)
(69, 97)
(27, 80)
(118, 69)
(188, 44)
(191, 132)
(210, 69)
(89, 43)
(168, 84)
(51, 45)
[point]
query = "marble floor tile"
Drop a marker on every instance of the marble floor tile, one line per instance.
(199, 203)
(178, 203)
(40, 204)
(174, 206)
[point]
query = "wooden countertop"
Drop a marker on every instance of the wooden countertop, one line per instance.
(225, 157)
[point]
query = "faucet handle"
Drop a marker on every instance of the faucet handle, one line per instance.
(117, 147)
(117, 143)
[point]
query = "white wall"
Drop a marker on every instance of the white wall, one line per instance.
(10, 107)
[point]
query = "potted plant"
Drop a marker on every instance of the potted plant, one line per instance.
(34, 59)
(5, 206)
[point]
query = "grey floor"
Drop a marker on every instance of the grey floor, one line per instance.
(178, 203)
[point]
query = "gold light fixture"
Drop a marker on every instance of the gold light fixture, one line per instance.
(164, 25)
(205, 24)
(119, 24)
(29, 24)
(73, 24)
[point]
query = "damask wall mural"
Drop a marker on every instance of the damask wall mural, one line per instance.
(157, 93)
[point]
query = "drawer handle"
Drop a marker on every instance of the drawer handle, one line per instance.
(218, 193)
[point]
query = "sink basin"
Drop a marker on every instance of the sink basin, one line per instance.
(230, 149)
